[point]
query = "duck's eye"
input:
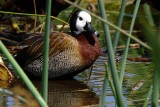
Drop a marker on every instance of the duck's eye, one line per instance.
(80, 18)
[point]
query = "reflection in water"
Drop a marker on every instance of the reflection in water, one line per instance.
(66, 93)
(16, 96)
(69, 93)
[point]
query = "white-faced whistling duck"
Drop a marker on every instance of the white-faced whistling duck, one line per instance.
(69, 54)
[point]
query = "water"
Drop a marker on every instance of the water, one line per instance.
(85, 90)
(137, 80)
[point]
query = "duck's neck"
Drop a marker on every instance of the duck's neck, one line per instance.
(89, 48)
(87, 38)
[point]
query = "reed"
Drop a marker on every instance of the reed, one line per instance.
(156, 80)
(111, 56)
(148, 97)
(108, 75)
(119, 24)
(149, 18)
(104, 89)
(125, 54)
(153, 41)
(148, 14)
(35, 18)
(44, 88)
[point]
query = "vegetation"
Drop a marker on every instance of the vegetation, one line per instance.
(118, 29)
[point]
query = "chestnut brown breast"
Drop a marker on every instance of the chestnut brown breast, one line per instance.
(68, 55)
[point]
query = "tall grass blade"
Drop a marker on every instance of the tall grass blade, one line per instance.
(44, 88)
(104, 91)
(153, 41)
(128, 41)
(119, 24)
(148, 14)
(112, 64)
(156, 47)
(149, 94)
(156, 85)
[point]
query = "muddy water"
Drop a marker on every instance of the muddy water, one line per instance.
(84, 90)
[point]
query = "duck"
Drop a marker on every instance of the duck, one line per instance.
(69, 53)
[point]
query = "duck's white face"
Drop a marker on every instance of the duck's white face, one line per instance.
(80, 22)
(82, 18)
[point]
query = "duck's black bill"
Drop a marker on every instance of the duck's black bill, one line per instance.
(88, 27)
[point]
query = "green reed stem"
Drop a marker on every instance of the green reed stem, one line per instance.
(156, 85)
(112, 64)
(104, 89)
(119, 24)
(108, 73)
(128, 42)
(153, 40)
(112, 25)
(148, 14)
(156, 80)
(107, 80)
(23, 76)
(44, 88)
(145, 104)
